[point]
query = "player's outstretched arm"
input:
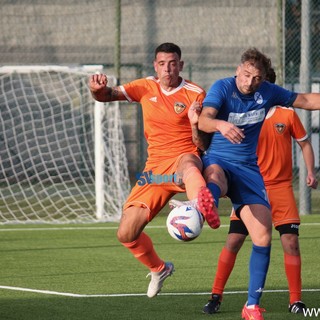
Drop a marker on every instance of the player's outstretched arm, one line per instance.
(307, 101)
(101, 92)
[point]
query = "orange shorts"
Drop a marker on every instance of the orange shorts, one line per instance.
(283, 206)
(154, 196)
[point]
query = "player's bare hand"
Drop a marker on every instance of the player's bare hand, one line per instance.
(231, 132)
(312, 181)
(194, 112)
(97, 82)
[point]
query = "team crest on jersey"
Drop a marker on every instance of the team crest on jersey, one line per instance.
(258, 98)
(280, 127)
(179, 107)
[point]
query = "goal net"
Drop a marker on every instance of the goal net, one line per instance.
(62, 155)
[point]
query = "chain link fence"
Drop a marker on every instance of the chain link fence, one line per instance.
(122, 35)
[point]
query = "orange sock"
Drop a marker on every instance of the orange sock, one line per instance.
(143, 250)
(193, 181)
(292, 265)
(226, 263)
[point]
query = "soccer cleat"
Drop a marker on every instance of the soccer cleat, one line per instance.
(157, 279)
(297, 307)
(207, 207)
(213, 305)
(252, 312)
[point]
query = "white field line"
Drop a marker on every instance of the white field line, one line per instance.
(83, 228)
(75, 295)
(311, 224)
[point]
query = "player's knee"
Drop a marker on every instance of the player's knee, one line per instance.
(290, 244)
(292, 250)
(188, 163)
(121, 237)
(235, 242)
(263, 240)
(216, 175)
(132, 223)
(125, 236)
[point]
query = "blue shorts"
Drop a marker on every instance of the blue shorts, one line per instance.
(245, 183)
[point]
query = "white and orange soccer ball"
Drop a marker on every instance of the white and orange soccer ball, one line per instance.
(184, 223)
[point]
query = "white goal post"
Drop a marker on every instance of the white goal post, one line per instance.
(62, 154)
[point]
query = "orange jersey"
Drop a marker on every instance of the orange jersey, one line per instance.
(165, 116)
(275, 145)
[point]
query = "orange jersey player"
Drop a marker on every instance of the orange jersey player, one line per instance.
(276, 166)
(169, 135)
(171, 108)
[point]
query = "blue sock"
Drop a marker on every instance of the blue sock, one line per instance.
(216, 192)
(258, 268)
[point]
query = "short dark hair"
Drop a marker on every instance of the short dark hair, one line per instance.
(257, 58)
(168, 47)
(271, 75)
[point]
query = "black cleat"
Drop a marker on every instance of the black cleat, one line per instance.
(297, 307)
(213, 305)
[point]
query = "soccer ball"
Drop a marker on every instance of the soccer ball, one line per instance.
(184, 223)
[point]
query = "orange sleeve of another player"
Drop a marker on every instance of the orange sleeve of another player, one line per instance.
(298, 131)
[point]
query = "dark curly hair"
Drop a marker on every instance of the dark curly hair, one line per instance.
(271, 75)
(257, 59)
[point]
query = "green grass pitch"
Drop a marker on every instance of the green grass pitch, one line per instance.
(81, 272)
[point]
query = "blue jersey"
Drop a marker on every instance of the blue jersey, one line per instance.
(246, 112)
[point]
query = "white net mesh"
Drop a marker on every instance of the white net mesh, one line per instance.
(47, 167)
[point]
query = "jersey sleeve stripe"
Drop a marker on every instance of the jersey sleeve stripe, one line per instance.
(125, 93)
(304, 138)
(191, 87)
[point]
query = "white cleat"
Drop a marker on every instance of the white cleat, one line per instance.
(157, 279)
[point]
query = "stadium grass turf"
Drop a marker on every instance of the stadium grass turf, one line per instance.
(87, 260)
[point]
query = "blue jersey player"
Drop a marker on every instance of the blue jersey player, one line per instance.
(234, 110)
